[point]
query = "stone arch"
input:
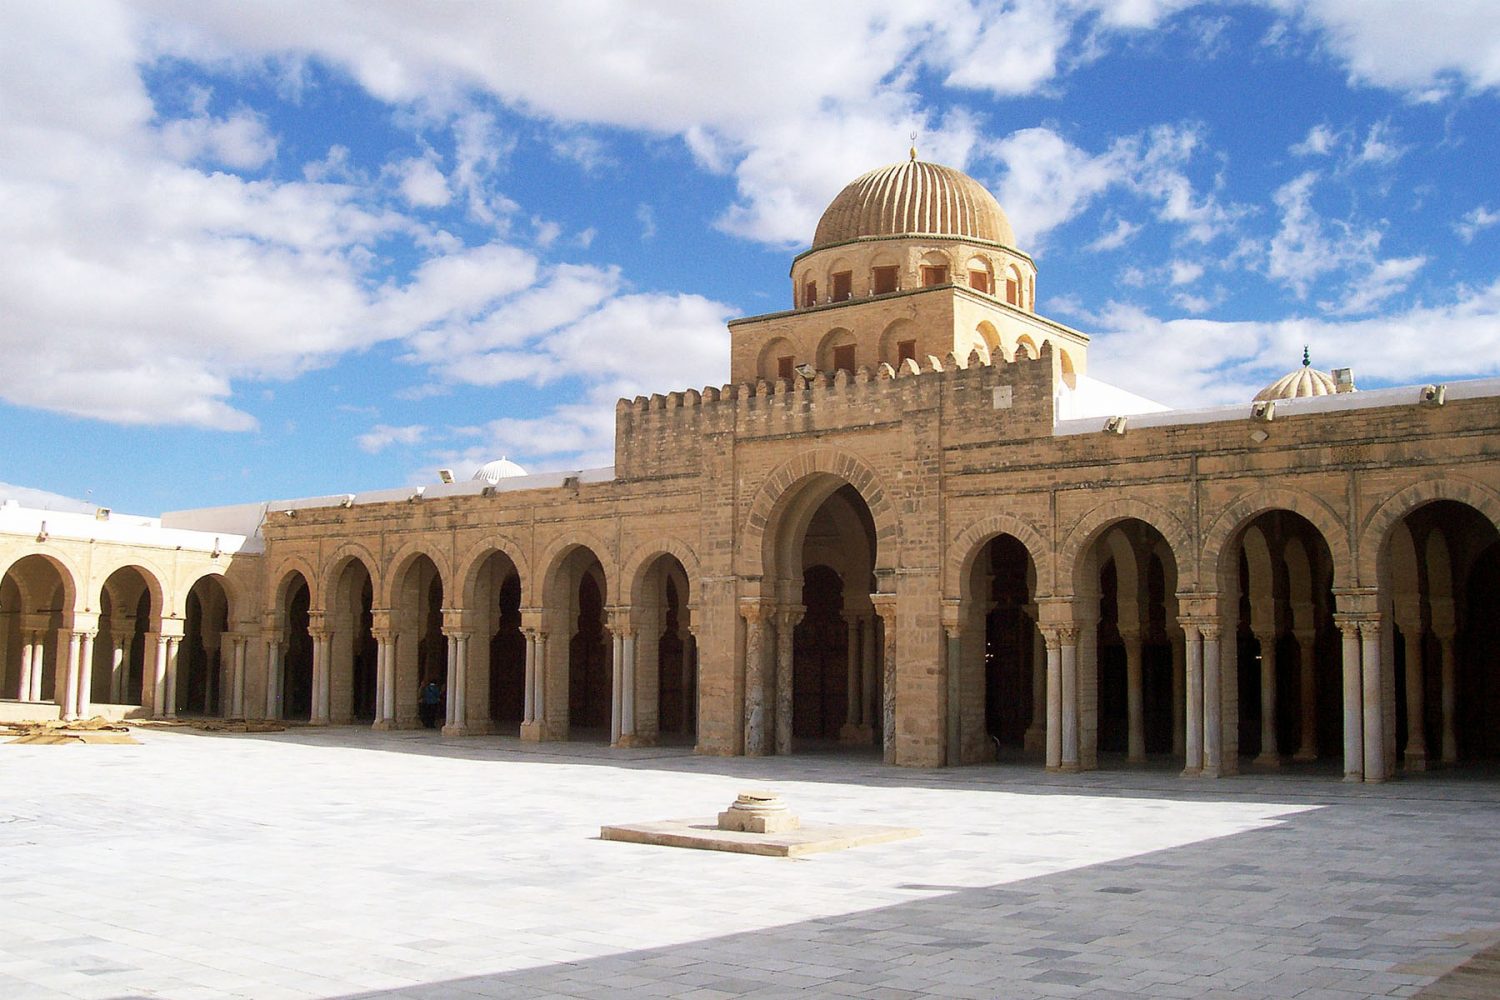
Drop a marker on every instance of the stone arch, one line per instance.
(838, 336)
(1025, 345)
(164, 603)
(633, 570)
(560, 548)
(964, 549)
(890, 339)
(1239, 512)
(473, 559)
(1089, 527)
(394, 570)
(768, 358)
(234, 593)
(66, 571)
(333, 566)
(283, 573)
(1377, 526)
(777, 490)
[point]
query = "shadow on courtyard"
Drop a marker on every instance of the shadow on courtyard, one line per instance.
(1295, 905)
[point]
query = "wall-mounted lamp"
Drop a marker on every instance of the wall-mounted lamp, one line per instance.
(417, 495)
(41, 534)
(1115, 425)
(806, 371)
(445, 476)
(1264, 411)
(1433, 395)
(101, 514)
(217, 552)
(348, 501)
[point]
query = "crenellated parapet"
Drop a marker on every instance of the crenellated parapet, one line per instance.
(979, 397)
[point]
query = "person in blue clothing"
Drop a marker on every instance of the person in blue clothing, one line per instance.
(431, 703)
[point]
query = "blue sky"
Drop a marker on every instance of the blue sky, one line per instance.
(258, 251)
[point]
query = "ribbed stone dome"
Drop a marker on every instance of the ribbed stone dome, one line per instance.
(914, 199)
(500, 468)
(1304, 381)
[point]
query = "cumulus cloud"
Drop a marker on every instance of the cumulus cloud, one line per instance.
(421, 183)
(1197, 362)
(382, 436)
(1475, 222)
(240, 141)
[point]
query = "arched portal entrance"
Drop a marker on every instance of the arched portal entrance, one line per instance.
(1130, 653)
(120, 653)
(352, 646)
(497, 656)
(826, 681)
(1002, 666)
(294, 690)
(1440, 586)
(202, 656)
(576, 606)
(36, 600)
(1276, 589)
(666, 657)
(421, 647)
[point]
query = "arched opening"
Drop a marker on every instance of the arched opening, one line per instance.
(590, 684)
(1002, 659)
(1130, 646)
(1277, 586)
(825, 683)
(120, 651)
(838, 351)
(422, 648)
(353, 648)
(497, 656)
(1065, 369)
(36, 600)
(1440, 587)
(778, 360)
(201, 658)
(981, 275)
(297, 657)
(667, 688)
(1026, 347)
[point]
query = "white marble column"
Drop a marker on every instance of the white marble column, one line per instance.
(1270, 755)
(616, 685)
(31, 667)
(1374, 707)
(1213, 702)
(1053, 757)
(885, 607)
(1035, 737)
(953, 664)
(1068, 638)
(86, 676)
(627, 690)
(1192, 744)
(540, 697)
(458, 681)
(68, 690)
(1135, 714)
(528, 701)
(119, 654)
(322, 641)
(273, 676)
(1354, 753)
(174, 651)
(1415, 757)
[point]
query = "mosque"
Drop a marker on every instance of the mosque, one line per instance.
(912, 522)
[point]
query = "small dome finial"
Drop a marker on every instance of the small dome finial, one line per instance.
(1305, 359)
(913, 149)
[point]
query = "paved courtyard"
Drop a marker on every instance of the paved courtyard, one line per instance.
(346, 863)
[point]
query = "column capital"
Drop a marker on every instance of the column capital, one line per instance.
(789, 615)
(1209, 630)
(382, 634)
(951, 613)
(1050, 638)
(457, 631)
(885, 607)
(754, 610)
(1067, 635)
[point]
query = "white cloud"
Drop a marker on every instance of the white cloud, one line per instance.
(1195, 362)
(646, 216)
(1384, 279)
(1185, 272)
(1475, 222)
(1115, 237)
(240, 142)
(1320, 141)
(382, 436)
(421, 183)
(1380, 147)
(1426, 53)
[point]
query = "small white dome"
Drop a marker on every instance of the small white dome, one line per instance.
(500, 468)
(1302, 382)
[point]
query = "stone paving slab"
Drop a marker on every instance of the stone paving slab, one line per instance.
(345, 863)
(705, 835)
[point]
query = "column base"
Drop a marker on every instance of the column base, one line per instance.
(1069, 768)
(1305, 756)
(383, 725)
(1415, 761)
(534, 732)
(458, 729)
(861, 735)
(1270, 762)
(629, 741)
(1353, 777)
(1132, 759)
(1034, 740)
(1191, 772)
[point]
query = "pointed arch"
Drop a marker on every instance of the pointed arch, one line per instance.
(777, 491)
(964, 549)
(1091, 525)
(1378, 525)
(1243, 509)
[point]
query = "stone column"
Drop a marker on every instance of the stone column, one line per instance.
(1270, 755)
(29, 665)
(528, 684)
(850, 732)
(119, 653)
(1192, 743)
(39, 665)
(616, 680)
(1415, 758)
(1034, 740)
(382, 635)
(1374, 707)
(1134, 699)
(1354, 753)
(1178, 642)
(1307, 690)
(1067, 636)
(174, 650)
(66, 694)
(885, 607)
(1449, 699)
(1213, 702)
(756, 743)
(457, 714)
(541, 683)
(953, 664)
(689, 678)
(322, 638)
(867, 681)
(274, 678)
(1053, 643)
(84, 707)
(627, 689)
(786, 627)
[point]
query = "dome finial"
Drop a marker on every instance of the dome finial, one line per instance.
(1305, 359)
(913, 149)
